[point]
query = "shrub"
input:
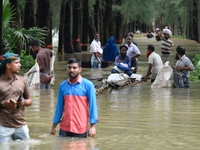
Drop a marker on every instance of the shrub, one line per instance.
(27, 61)
(195, 74)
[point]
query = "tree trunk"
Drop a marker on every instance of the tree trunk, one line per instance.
(17, 16)
(76, 25)
(101, 23)
(119, 25)
(44, 19)
(198, 18)
(189, 20)
(61, 28)
(85, 24)
(96, 16)
(28, 15)
(111, 21)
(195, 23)
(68, 45)
(107, 21)
(16, 23)
(49, 27)
(92, 29)
(1, 11)
(94, 21)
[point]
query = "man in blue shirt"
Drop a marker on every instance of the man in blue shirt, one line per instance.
(76, 101)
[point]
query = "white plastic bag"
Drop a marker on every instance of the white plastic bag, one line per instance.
(112, 78)
(52, 67)
(164, 74)
(33, 76)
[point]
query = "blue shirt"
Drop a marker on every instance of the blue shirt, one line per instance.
(126, 63)
(72, 105)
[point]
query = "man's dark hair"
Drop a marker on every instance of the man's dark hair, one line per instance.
(34, 43)
(131, 34)
(151, 47)
(122, 47)
(96, 34)
(180, 50)
(120, 56)
(74, 60)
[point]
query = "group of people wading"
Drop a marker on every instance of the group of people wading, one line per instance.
(126, 60)
(76, 103)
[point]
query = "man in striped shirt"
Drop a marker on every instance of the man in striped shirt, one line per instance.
(166, 43)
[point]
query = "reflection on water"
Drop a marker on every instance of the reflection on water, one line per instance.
(131, 118)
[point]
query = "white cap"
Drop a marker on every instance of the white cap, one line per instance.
(167, 31)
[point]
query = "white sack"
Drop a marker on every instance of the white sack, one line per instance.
(164, 74)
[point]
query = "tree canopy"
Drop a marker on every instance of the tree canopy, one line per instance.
(78, 20)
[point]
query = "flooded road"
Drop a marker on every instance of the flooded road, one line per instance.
(131, 118)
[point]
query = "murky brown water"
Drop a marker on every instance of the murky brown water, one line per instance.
(131, 118)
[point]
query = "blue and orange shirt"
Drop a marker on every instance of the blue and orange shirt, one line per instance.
(75, 105)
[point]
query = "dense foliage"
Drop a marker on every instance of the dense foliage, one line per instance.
(195, 75)
(26, 60)
(17, 38)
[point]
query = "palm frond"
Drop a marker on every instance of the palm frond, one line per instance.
(8, 14)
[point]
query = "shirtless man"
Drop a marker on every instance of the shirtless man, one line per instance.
(43, 59)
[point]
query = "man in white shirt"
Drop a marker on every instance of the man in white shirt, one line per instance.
(133, 52)
(155, 63)
(96, 50)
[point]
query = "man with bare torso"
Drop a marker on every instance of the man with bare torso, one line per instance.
(43, 59)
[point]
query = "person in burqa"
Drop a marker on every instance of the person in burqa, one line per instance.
(182, 69)
(110, 50)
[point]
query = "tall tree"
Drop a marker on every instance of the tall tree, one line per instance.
(16, 22)
(107, 21)
(28, 15)
(68, 44)
(96, 15)
(189, 31)
(61, 27)
(198, 19)
(195, 20)
(44, 18)
(119, 24)
(85, 16)
(93, 18)
(1, 11)
(17, 17)
(77, 25)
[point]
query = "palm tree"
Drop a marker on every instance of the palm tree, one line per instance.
(16, 39)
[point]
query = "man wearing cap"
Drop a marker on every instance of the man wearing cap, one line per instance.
(166, 43)
(166, 46)
(14, 97)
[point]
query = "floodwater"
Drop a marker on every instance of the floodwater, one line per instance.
(131, 118)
